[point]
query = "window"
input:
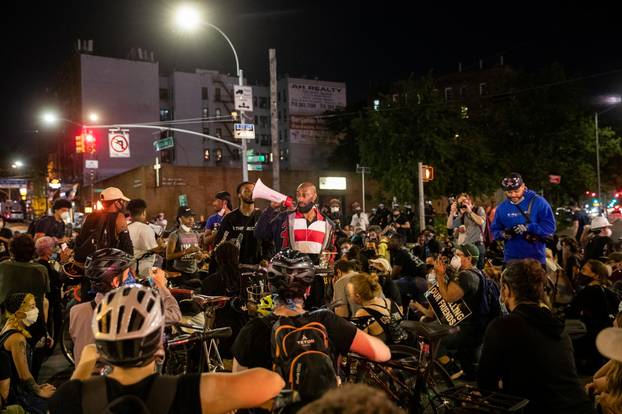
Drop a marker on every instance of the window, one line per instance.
(217, 94)
(449, 94)
(263, 122)
(204, 93)
(482, 89)
(263, 102)
(463, 91)
(217, 112)
(218, 154)
(206, 154)
(164, 115)
(206, 130)
(219, 133)
(205, 112)
(265, 139)
(163, 93)
(256, 120)
(235, 154)
(254, 101)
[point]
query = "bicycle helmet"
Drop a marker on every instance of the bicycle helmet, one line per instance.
(128, 325)
(102, 266)
(265, 306)
(290, 273)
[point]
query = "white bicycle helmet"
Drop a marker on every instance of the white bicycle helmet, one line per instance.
(128, 325)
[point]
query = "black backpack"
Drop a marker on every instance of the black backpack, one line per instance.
(302, 354)
(393, 331)
(158, 401)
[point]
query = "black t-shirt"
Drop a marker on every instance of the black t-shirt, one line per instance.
(50, 227)
(68, 398)
(599, 246)
(582, 218)
(236, 223)
(468, 281)
(4, 246)
(401, 257)
(252, 346)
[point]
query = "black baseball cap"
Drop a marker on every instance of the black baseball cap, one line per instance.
(512, 181)
(184, 211)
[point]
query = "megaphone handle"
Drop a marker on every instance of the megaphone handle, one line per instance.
(289, 202)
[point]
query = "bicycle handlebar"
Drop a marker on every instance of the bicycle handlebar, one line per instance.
(225, 332)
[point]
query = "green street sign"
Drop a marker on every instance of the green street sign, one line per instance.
(255, 167)
(164, 143)
(256, 158)
(183, 200)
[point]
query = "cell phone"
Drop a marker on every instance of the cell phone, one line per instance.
(63, 246)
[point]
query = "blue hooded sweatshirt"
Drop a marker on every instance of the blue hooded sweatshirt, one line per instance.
(542, 224)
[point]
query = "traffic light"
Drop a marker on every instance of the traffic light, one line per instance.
(79, 144)
(90, 143)
(428, 173)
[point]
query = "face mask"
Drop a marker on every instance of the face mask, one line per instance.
(344, 251)
(504, 309)
(608, 232)
(358, 209)
(584, 280)
(185, 228)
(304, 209)
(31, 316)
(334, 209)
(65, 216)
(455, 263)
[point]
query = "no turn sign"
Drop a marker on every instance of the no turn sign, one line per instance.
(119, 144)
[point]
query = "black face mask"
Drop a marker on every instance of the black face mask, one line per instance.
(584, 280)
(304, 209)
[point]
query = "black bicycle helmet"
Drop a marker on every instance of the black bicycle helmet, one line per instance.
(290, 273)
(128, 325)
(103, 265)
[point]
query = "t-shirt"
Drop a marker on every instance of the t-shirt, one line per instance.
(252, 347)
(599, 246)
(143, 239)
(50, 227)
(468, 281)
(68, 397)
(22, 277)
(213, 221)
(474, 232)
(401, 257)
(236, 223)
(184, 240)
(340, 293)
(582, 218)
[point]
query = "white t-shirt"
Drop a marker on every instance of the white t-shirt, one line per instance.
(143, 239)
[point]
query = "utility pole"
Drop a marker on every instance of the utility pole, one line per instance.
(274, 123)
(421, 199)
(363, 170)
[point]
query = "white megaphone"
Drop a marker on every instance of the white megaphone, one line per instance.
(264, 192)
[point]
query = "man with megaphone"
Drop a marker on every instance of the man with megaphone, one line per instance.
(305, 229)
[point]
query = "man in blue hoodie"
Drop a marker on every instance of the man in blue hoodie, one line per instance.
(524, 220)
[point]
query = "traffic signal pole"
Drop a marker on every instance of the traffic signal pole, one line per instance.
(421, 199)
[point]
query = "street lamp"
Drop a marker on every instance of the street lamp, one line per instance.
(188, 18)
(613, 101)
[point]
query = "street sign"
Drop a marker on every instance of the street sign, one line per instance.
(94, 164)
(256, 158)
(119, 144)
(164, 143)
(255, 167)
(244, 131)
(555, 179)
(243, 97)
(183, 200)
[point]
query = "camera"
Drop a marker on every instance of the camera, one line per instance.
(461, 206)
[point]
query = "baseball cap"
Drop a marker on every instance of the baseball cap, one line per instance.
(609, 343)
(223, 195)
(112, 193)
(382, 263)
(184, 211)
(469, 249)
(599, 222)
(512, 181)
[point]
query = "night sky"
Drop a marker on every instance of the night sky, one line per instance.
(365, 44)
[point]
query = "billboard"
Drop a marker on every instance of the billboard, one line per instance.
(307, 96)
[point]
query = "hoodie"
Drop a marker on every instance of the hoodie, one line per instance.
(532, 355)
(542, 224)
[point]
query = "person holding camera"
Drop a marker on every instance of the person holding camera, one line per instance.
(524, 220)
(468, 224)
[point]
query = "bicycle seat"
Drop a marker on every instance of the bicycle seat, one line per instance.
(205, 301)
(430, 331)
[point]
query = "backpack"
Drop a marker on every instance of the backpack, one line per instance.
(489, 307)
(303, 356)
(393, 331)
(159, 399)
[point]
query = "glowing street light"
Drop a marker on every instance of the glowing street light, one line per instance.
(188, 18)
(93, 117)
(50, 118)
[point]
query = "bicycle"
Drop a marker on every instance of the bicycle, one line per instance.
(181, 348)
(412, 378)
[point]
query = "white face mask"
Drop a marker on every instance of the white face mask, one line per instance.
(65, 217)
(185, 228)
(334, 209)
(608, 232)
(455, 263)
(31, 316)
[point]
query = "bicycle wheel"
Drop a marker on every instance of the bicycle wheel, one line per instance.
(66, 343)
